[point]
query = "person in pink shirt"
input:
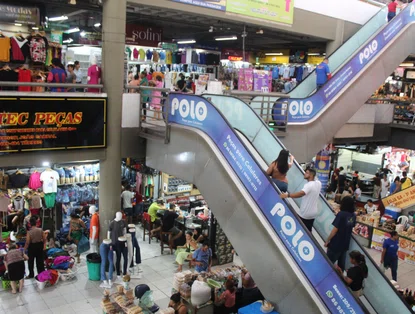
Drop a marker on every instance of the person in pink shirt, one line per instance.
(227, 298)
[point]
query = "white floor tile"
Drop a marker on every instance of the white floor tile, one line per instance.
(159, 295)
(63, 310)
(36, 307)
(55, 302)
(80, 306)
(18, 310)
(161, 284)
(73, 296)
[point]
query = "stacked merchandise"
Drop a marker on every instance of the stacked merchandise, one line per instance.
(246, 79)
(180, 278)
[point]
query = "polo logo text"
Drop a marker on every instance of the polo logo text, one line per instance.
(189, 108)
(289, 228)
(369, 51)
(301, 108)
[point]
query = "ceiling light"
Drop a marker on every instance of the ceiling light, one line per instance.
(46, 164)
(406, 64)
(97, 25)
(58, 18)
(73, 2)
(260, 31)
(17, 24)
(315, 54)
(274, 54)
(189, 41)
(226, 38)
(35, 28)
(73, 30)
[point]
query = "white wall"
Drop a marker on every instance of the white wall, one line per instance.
(355, 11)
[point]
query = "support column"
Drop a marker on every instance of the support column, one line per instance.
(338, 41)
(113, 35)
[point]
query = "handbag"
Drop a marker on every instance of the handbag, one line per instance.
(83, 244)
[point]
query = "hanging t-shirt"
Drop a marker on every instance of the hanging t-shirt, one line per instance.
(162, 55)
(38, 48)
(129, 52)
(142, 54)
(26, 77)
(149, 55)
(34, 181)
(155, 56)
(4, 49)
(275, 73)
(18, 180)
(135, 54)
(50, 179)
(20, 49)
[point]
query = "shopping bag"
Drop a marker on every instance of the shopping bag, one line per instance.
(83, 245)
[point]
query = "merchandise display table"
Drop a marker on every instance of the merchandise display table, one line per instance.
(253, 309)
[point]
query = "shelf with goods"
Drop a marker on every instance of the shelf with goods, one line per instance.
(222, 248)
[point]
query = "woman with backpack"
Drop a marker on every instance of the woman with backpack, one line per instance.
(356, 274)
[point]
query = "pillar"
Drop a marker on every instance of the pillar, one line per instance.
(113, 37)
(338, 41)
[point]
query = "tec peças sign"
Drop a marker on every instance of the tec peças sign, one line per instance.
(19, 14)
(40, 124)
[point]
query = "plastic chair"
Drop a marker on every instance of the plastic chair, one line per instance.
(147, 227)
(403, 220)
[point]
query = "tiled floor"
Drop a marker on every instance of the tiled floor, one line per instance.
(83, 296)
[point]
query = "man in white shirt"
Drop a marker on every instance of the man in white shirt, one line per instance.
(370, 207)
(310, 194)
(78, 74)
(127, 198)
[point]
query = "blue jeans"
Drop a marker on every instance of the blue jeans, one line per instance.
(106, 255)
(392, 262)
(283, 186)
(391, 15)
(121, 249)
(136, 246)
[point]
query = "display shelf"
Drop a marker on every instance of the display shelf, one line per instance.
(84, 182)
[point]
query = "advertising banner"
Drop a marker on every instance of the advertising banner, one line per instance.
(281, 11)
(322, 166)
(209, 4)
(40, 124)
(140, 35)
(262, 79)
(402, 199)
(197, 112)
(19, 14)
(303, 110)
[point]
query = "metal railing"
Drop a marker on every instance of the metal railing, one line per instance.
(267, 106)
(48, 87)
(153, 104)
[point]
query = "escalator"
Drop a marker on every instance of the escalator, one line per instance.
(378, 291)
(287, 263)
(313, 121)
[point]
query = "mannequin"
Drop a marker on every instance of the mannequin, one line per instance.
(94, 229)
(107, 254)
(116, 232)
(135, 266)
(94, 75)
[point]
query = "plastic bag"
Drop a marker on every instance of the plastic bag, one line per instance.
(83, 245)
(201, 293)
(147, 299)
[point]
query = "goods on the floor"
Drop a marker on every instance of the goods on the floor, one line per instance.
(201, 293)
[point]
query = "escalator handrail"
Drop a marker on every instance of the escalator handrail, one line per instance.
(321, 196)
(349, 39)
(358, 301)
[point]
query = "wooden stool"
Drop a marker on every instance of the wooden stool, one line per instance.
(163, 244)
(147, 227)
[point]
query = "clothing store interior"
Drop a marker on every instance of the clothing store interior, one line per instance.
(163, 234)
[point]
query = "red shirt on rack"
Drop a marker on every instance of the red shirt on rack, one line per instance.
(25, 76)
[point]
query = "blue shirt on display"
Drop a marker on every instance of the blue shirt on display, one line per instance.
(321, 71)
(391, 247)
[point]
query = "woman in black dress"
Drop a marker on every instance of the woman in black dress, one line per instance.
(15, 266)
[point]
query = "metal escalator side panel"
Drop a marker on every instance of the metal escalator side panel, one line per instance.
(194, 111)
(379, 291)
(306, 110)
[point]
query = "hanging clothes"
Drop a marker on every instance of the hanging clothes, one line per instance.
(38, 48)
(25, 76)
(4, 49)
(20, 49)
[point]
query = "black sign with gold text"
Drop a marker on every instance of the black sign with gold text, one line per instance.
(55, 123)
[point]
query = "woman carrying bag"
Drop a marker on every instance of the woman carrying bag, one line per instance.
(75, 233)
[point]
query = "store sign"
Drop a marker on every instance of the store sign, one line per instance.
(59, 123)
(196, 112)
(212, 4)
(19, 14)
(235, 58)
(90, 38)
(143, 35)
(304, 110)
(322, 166)
(402, 199)
(168, 46)
(281, 11)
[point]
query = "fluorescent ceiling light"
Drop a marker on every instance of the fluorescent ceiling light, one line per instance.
(17, 24)
(190, 41)
(226, 38)
(58, 18)
(83, 34)
(73, 30)
(315, 54)
(274, 54)
(97, 25)
(46, 164)
(35, 28)
(406, 64)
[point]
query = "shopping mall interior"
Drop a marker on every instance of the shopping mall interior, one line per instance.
(241, 157)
